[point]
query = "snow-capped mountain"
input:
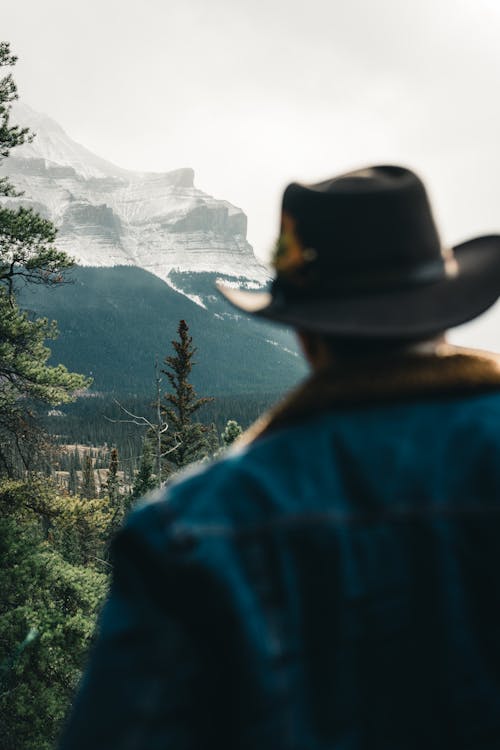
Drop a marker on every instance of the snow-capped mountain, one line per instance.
(110, 216)
(114, 319)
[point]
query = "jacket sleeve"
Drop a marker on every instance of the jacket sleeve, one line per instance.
(141, 684)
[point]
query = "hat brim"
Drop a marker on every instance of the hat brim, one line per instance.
(412, 312)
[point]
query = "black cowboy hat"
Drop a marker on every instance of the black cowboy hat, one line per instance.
(359, 256)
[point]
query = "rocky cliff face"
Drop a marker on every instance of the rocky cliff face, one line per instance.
(110, 216)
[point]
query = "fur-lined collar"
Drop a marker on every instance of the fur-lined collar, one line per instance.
(449, 370)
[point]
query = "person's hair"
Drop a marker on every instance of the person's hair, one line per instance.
(352, 348)
(358, 347)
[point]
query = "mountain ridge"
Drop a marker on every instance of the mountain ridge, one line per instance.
(106, 215)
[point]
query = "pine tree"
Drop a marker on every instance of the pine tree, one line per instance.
(88, 488)
(10, 135)
(116, 501)
(213, 441)
(144, 480)
(112, 485)
(72, 481)
(130, 470)
(185, 440)
(52, 581)
(27, 255)
(232, 431)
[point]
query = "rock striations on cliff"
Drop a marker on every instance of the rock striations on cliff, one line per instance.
(109, 216)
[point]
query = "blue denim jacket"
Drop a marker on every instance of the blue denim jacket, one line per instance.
(335, 584)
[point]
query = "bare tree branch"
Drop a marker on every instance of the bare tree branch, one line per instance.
(157, 429)
(171, 450)
(144, 423)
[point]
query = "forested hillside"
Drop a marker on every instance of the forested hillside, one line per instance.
(114, 322)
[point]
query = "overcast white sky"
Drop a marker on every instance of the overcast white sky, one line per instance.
(256, 93)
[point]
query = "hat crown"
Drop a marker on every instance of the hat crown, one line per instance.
(359, 257)
(369, 221)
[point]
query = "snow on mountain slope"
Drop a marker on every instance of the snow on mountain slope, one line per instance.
(111, 216)
(54, 145)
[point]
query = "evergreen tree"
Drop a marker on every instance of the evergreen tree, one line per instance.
(112, 485)
(52, 580)
(27, 254)
(185, 440)
(213, 441)
(10, 135)
(144, 480)
(232, 431)
(88, 488)
(116, 503)
(130, 469)
(72, 481)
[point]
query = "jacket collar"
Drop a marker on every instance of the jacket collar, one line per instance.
(448, 371)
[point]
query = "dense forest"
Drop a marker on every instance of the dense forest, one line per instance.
(99, 421)
(114, 323)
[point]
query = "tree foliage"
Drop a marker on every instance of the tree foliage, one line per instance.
(232, 431)
(27, 251)
(27, 254)
(186, 439)
(145, 480)
(10, 135)
(53, 580)
(88, 489)
(113, 485)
